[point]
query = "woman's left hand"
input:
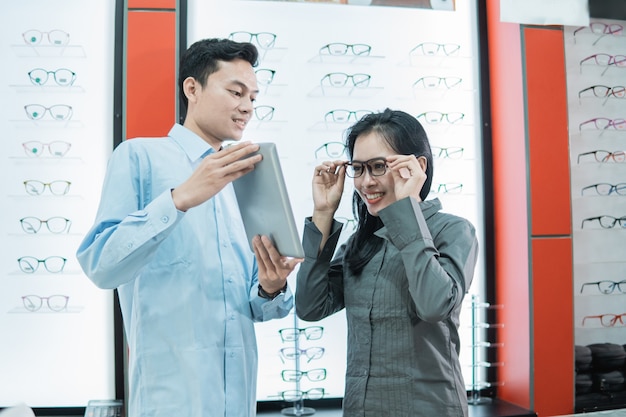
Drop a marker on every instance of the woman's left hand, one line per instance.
(409, 175)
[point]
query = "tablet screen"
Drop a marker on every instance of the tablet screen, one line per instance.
(264, 204)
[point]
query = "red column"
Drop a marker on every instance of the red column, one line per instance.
(533, 238)
(151, 61)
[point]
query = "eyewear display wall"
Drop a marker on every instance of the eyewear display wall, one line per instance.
(58, 134)
(596, 61)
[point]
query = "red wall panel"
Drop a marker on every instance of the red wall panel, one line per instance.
(553, 330)
(151, 73)
(546, 95)
(151, 4)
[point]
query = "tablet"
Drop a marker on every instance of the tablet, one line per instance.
(264, 204)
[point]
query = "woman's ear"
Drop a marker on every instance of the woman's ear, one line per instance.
(423, 162)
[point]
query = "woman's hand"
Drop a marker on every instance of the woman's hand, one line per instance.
(328, 182)
(409, 175)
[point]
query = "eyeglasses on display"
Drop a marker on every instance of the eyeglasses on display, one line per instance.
(55, 224)
(340, 79)
(436, 117)
(600, 28)
(604, 188)
(375, 166)
(433, 82)
(60, 112)
(338, 48)
(433, 48)
(331, 149)
(264, 40)
(58, 187)
(447, 188)
(36, 148)
(297, 395)
(312, 375)
(265, 76)
(30, 264)
(54, 302)
(606, 222)
(605, 156)
(603, 59)
(604, 91)
(311, 353)
(452, 152)
(602, 123)
(310, 333)
(61, 76)
(264, 112)
(54, 37)
(606, 287)
(344, 116)
(607, 320)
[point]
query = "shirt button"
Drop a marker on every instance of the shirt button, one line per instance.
(165, 219)
(129, 246)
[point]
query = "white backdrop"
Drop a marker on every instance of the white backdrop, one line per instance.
(406, 44)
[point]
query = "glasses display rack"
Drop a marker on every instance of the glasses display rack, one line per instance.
(479, 326)
(298, 408)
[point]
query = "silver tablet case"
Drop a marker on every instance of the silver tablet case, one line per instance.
(264, 204)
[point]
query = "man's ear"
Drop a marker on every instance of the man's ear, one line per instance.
(190, 88)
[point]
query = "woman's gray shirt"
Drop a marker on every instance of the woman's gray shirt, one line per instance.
(402, 310)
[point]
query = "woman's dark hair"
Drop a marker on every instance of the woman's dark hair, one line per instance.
(406, 136)
(202, 58)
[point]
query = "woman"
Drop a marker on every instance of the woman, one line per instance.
(401, 276)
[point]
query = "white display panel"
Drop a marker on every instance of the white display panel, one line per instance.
(411, 59)
(57, 345)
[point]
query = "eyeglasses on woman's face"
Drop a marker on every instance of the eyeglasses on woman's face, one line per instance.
(375, 166)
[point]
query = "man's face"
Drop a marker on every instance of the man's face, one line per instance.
(221, 110)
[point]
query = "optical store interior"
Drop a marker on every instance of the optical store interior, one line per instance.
(524, 105)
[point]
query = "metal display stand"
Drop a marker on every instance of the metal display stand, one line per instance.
(478, 345)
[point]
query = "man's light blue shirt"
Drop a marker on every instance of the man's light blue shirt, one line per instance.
(187, 282)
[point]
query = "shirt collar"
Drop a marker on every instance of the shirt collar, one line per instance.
(192, 144)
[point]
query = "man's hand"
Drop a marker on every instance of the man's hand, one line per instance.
(214, 173)
(273, 268)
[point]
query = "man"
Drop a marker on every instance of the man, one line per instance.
(168, 235)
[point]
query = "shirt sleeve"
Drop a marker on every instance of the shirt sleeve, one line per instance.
(439, 256)
(319, 290)
(129, 225)
(264, 309)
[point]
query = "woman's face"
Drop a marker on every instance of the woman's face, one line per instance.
(376, 191)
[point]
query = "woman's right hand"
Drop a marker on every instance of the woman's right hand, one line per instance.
(328, 182)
